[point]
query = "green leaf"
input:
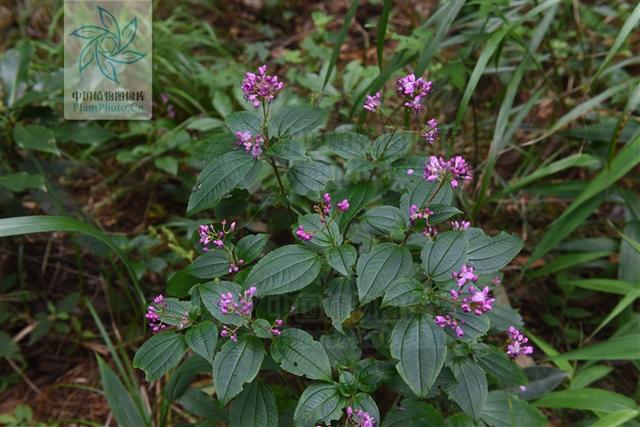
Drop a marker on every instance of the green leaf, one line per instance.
(384, 220)
(442, 213)
(627, 28)
(255, 406)
(210, 293)
(490, 254)
(589, 375)
(474, 326)
(496, 363)
(629, 266)
(124, 410)
(202, 339)
(309, 177)
(371, 373)
(552, 352)
(210, 265)
(566, 261)
(348, 145)
(470, 393)
(235, 364)
(339, 301)
(167, 164)
(506, 410)
(379, 268)
(287, 269)
(541, 380)
(617, 348)
(324, 235)
(419, 347)
(413, 413)
(616, 418)
(382, 30)
(21, 181)
(403, 293)
(342, 258)
(320, 402)
(587, 399)
(35, 137)
(296, 352)
(218, 178)
(344, 30)
(342, 348)
(250, 247)
(366, 403)
(159, 354)
(296, 120)
(390, 146)
(602, 285)
(359, 196)
(444, 255)
(244, 121)
(422, 191)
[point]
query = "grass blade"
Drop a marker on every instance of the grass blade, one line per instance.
(623, 347)
(567, 261)
(552, 353)
(341, 36)
(625, 302)
(382, 31)
(626, 29)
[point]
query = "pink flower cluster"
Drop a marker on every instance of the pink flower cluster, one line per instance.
(449, 322)
(516, 343)
(460, 225)
(413, 90)
(153, 313)
(416, 214)
(234, 267)
(171, 112)
(466, 274)
(324, 208)
(251, 144)
(275, 330)
(438, 168)
(430, 232)
(479, 301)
(243, 307)
(261, 87)
(372, 103)
(303, 235)
(228, 332)
(209, 234)
(360, 418)
(430, 132)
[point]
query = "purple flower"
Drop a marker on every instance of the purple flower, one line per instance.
(435, 168)
(410, 172)
(431, 131)
(209, 234)
(460, 225)
(261, 87)
(430, 232)
(413, 90)
(416, 214)
(343, 205)
(516, 343)
(303, 235)
(243, 306)
(153, 313)
(359, 417)
(228, 332)
(466, 274)
(449, 322)
(372, 103)
(478, 302)
(459, 170)
(250, 144)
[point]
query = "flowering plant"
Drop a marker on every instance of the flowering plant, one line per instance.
(366, 285)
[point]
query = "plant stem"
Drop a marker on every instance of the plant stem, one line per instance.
(282, 190)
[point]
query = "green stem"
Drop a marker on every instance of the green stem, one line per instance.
(282, 189)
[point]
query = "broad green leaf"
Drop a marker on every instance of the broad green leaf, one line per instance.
(442, 213)
(21, 181)
(167, 164)
(319, 402)
(342, 258)
(623, 347)
(413, 413)
(424, 191)
(174, 311)
(366, 403)
(541, 380)
(444, 255)
(371, 373)
(383, 220)
(287, 269)
(348, 145)
(474, 326)
(296, 120)
(324, 235)
(292, 149)
(496, 363)
(587, 399)
(218, 178)
(309, 177)
(200, 404)
(506, 410)
(210, 265)
(502, 316)
(159, 354)
(210, 294)
(419, 347)
(390, 146)
(342, 348)
(35, 137)
(379, 268)
(235, 364)
(490, 254)
(255, 406)
(339, 301)
(124, 410)
(202, 339)
(404, 292)
(184, 375)
(244, 121)
(470, 393)
(296, 352)
(359, 195)
(250, 247)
